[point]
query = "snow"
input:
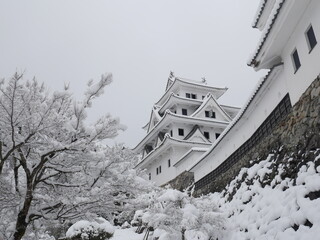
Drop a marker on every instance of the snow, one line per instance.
(83, 227)
(266, 30)
(172, 195)
(280, 210)
(126, 234)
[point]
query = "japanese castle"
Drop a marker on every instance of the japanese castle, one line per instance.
(182, 127)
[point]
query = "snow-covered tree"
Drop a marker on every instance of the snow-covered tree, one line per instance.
(176, 215)
(53, 166)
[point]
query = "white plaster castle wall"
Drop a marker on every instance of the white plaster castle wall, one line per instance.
(310, 62)
(167, 173)
(261, 107)
(287, 82)
(188, 161)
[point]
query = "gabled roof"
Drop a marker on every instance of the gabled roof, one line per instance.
(271, 21)
(271, 74)
(175, 98)
(154, 115)
(208, 101)
(170, 117)
(166, 143)
(181, 81)
(196, 132)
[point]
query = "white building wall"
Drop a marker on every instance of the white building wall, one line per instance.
(188, 161)
(167, 173)
(261, 107)
(310, 62)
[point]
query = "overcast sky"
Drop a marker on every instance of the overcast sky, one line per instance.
(138, 41)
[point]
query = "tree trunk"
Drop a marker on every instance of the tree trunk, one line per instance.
(1, 166)
(182, 232)
(22, 224)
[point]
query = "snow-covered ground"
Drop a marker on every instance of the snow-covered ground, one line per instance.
(283, 209)
(126, 234)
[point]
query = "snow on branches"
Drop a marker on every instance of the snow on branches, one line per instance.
(52, 162)
(175, 215)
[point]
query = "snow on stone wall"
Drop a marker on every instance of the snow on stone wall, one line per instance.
(274, 199)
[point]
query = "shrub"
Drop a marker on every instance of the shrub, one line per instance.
(100, 229)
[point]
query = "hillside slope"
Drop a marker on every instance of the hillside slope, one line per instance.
(263, 202)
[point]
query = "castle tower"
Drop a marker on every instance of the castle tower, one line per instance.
(183, 125)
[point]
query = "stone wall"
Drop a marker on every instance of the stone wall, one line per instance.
(182, 182)
(297, 133)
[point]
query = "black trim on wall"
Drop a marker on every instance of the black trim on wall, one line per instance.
(265, 129)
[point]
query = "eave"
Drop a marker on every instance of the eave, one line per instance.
(167, 143)
(177, 81)
(265, 35)
(169, 118)
(282, 23)
(175, 99)
(259, 13)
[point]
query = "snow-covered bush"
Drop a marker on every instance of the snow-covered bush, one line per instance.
(100, 229)
(175, 215)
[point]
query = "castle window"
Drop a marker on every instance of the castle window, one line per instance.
(217, 135)
(193, 96)
(171, 133)
(311, 38)
(149, 176)
(159, 169)
(169, 163)
(181, 132)
(188, 95)
(207, 135)
(210, 114)
(295, 60)
(184, 111)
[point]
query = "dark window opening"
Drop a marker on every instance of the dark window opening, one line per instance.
(210, 114)
(184, 111)
(207, 135)
(311, 37)
(188, 95)
(193, 96)
(171, 133)
(217, 135)
(148, 148)
(149, 176)
(159, 169)
(296, 60)
(169, 163)
(181, 131)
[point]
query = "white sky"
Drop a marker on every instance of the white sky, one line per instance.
(139, 41)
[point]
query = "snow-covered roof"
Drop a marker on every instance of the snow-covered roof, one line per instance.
(209, 99)
(194, 84)
(259, 12)
(174, 98)
(196, 132)
(271, 21)
(272, 72)
(167, 142)
(192, 150)
(170, 117)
